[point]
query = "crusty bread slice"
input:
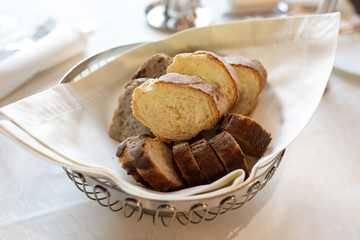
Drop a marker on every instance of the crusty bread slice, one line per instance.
(125, 158)
(154, 67)
(251, 136)
(124, 124)
(187, 164)
(177, 107)
(207, 160)
(229, 152)
(213, 69)
(253, 77)
(154, 162)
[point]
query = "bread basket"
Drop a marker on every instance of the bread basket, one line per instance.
(107, 194)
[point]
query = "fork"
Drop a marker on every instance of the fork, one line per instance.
(28, 42)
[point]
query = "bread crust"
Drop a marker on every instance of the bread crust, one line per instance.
(236, 83)
(207, 160)
(153, 173)
(154, 67)
(124, 124)
(237, 60)
(253, 76)
(251, 136)
(229, 152)
(228, 83)
(125, 158)
(187, 164)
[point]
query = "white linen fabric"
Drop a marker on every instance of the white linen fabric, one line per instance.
(60, 44)
(68, 124)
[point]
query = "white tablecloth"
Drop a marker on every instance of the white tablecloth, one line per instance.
(38, 201)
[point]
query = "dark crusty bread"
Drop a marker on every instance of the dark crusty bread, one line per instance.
(207, 160)
(229, 152)
(154, 162)
(153, 67)
(124, 124)
(251, 136)
(187, 164)
(253, 77)
(125, 158)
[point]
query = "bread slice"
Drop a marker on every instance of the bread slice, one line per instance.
(124, 124)
(207, 160)
(253, 77)
(125, 158)
(187, 164)
(177, 107)
(213, 69)
(154, 162)
(229, 152)
(154, 67)
(251, 136)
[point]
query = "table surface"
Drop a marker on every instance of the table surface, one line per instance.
(38, 201)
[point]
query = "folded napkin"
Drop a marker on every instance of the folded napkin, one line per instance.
(60, 44)
(68, 124)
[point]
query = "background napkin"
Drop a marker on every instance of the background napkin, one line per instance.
(72, 120)
(60, 44)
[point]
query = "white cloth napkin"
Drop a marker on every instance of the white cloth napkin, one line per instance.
(60, 44)
(68, 124)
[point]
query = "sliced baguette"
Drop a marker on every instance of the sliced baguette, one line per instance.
(124, 124)
(125, 158)
(154, 67)
(207, 160)
(253, 77)
(213, 69)
(154, 162)
(187, 164)
(251, 136)
(229, 152)
(177, 107)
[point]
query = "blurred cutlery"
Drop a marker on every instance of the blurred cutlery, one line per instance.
(40, 31)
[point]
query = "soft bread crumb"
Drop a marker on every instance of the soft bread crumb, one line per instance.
(177, 107)
(253, 77)
(213, 69)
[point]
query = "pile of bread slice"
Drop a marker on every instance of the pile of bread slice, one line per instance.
(184, 121)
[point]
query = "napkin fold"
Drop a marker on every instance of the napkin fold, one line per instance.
(68, 124)
(60, 44)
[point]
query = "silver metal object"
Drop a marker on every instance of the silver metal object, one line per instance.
(28, 42)
(177, 15)
(107, 194)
